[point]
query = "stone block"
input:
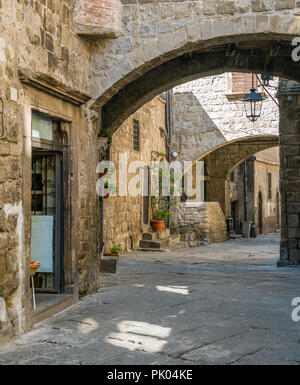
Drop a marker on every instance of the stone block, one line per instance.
(108, 264)
(209, 7)
(225, 7)
(284, 4)
(262, 5)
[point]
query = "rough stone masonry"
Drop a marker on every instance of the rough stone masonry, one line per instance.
(45, 66)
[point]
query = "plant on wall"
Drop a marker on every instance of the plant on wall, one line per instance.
(115, 249)
(105, 133)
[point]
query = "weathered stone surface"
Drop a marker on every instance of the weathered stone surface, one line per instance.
(290, 197)
(123, 215)
(190, 307)
(200, 224)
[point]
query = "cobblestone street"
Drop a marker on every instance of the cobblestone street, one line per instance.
(220, 304)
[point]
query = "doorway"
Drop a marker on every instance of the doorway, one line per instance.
(47, 214)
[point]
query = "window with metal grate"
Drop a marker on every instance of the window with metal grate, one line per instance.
(269, 185)
(136, 135)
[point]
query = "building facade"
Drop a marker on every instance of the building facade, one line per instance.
(254, 193)
(139, 139)
(209, 124)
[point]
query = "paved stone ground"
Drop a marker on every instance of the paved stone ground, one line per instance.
(220, 304)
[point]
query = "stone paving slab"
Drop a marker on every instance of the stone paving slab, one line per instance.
(221, 304)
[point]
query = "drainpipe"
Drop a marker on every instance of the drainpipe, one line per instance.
(245, 191)
(101, 229)
(168, 122)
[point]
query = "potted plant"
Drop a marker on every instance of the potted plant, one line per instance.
(161, 205)
(114, 251)
(161, 213)
(105, 134)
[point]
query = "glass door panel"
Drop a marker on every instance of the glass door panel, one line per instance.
(46, 219)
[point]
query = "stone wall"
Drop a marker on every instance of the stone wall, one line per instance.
(123, 216)
(257, 169)
(271, 209)
(202, 223)
(289, 175)
(41, 67)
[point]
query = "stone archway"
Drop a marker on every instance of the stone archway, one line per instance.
(153, 33)
(222, 159)
(162, 45)
(191, 66)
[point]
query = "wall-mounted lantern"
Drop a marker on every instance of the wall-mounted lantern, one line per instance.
(266, 80)
(253, 103)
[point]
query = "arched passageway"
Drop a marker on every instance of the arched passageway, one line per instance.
(253, 56)
(222, 160)
(259, 44)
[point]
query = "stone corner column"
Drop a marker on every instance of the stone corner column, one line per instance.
(289, 134)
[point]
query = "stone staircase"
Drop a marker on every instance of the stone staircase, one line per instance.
(161, 241)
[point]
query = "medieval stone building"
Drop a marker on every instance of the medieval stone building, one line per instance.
(254, 193)
(140, 137)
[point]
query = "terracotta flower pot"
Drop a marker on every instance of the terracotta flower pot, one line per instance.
(111, 255)
(158, 225)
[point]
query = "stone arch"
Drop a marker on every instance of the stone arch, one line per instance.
(160, 39)
(188, 67)
(153, 33)
(222, 159)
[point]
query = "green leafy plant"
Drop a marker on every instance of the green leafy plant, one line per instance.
(161, 205)
(105, 133)
(116, 249)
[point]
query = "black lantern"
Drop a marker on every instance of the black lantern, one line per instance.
(253, 103)
(266, 79)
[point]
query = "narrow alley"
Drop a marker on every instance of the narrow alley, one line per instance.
(221, 304)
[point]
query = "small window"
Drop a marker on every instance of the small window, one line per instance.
(42, 127)
(269, 185)
(45, 129)
(242, 82)
(136, 135)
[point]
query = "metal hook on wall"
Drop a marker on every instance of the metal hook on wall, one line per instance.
(3, 129)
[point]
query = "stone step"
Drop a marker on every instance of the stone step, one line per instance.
(160, 243)
(169, 249)
(152, 235)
